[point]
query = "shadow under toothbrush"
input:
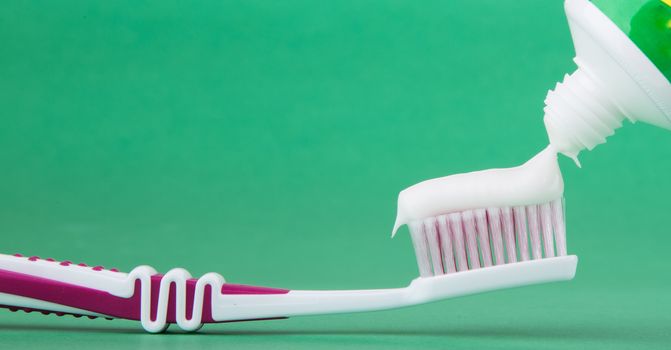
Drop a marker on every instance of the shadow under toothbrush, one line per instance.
(513, 332)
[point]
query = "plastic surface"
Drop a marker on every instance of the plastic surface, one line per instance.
(614, 80)
(144, 295)
(646, 22)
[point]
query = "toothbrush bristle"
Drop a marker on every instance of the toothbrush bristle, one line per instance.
(472, 239)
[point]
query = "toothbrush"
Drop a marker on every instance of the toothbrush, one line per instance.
(455, 223)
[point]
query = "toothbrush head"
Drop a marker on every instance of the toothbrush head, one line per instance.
(486, 218)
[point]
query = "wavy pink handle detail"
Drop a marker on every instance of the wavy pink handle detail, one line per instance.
(102, 302)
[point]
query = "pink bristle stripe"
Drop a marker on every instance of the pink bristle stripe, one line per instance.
(546, 224)
(458, 241)
(559, 223)
(534, 231)
(471, 239)
(494, 218)
(521, 232)
(421, 248)
(509, 234)
(446, 244)
(483, 237)
(434, 245)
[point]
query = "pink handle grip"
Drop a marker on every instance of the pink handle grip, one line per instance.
(103, 303)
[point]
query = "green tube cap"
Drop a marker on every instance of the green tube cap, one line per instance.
(648, 25)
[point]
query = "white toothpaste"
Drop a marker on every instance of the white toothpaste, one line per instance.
(537, 181)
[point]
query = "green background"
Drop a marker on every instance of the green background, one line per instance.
(268, 140)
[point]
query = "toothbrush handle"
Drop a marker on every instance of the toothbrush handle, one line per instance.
(158, 300)
(34, 284)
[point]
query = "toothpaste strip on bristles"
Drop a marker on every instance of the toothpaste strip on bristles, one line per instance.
(537, 181)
